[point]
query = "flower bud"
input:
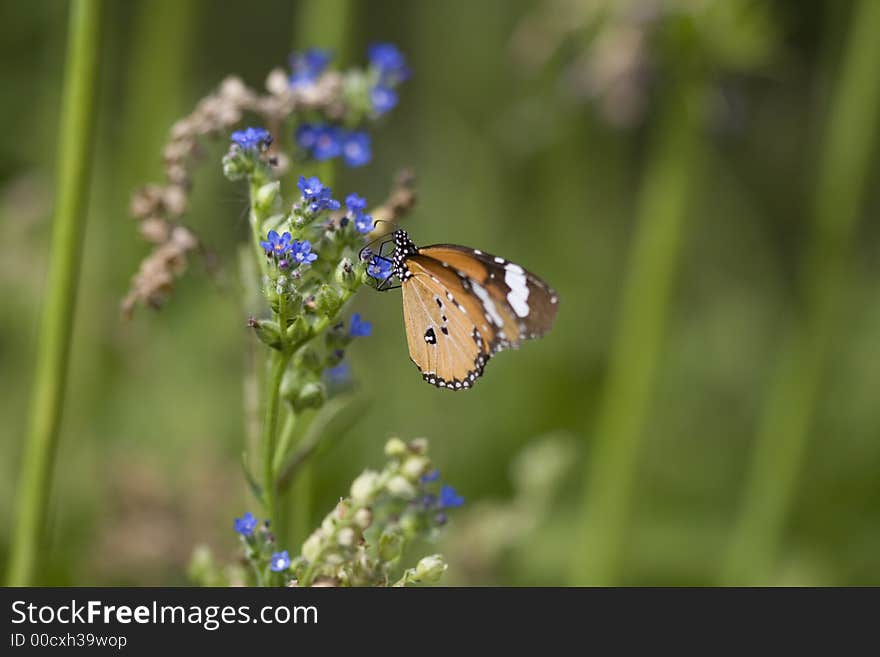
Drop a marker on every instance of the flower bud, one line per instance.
(395, 447)
(410, 524)
(267, 331)
(311, 549)
(328, 300)
(414, 467)
(346, 275)
(390, 543)
(365, 487)
(312, 394)
(430, 568)
(309, 359)
(400, 487)
(333, 559)
(418, 445)
(236, 165)
(266, 198)
(298, 329)
(363, 518)
(345, 536)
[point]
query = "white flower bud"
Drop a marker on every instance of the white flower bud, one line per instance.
(418, 445)
(363, 518)
(395, 447)
(365, 487)
(430, 568)
(311, 549)
(345, 536)
(399, 486)
(414, 467)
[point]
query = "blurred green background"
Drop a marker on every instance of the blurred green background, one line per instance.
(550, 132)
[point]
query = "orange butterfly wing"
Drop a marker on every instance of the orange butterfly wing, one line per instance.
(526, 302)
(447, 341)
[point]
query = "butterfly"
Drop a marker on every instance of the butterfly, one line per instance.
(461, 306)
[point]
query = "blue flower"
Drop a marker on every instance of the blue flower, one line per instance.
(307, 66)
(316, 194)
(449, 498)
(306, 135)
(383, 98)
(363, 223)
(379, 269)
(246, 524)
(277, 245)
(389, 62)
(359, 328)
(355, 204)
(328, 143)
(311, 188)
(302, 252)
(434, 475)
(340, 375)
(280, 562)
(251, 138)
(356, 149)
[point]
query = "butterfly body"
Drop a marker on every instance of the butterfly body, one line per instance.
(461, 306)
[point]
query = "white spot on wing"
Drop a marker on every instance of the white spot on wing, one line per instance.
(488, 304)
(518, 297)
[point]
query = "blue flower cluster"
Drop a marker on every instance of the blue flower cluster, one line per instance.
(316, 196)
(245, 527)
(448, 497)
(308, 66)
(251, 139)
(390, 69)
(287, 251)
(324, 142)
(356, 205)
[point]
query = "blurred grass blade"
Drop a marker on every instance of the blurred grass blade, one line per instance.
(788, 412)
(77, 126)
(325, 24)
(646, 298)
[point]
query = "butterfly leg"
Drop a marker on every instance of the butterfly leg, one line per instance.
(384, 286)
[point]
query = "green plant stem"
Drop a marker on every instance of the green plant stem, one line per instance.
(646, 298)
(77, 127)
(288, 430)
(278, 361)
(324, 24)
(784, 424)
(257, 234)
